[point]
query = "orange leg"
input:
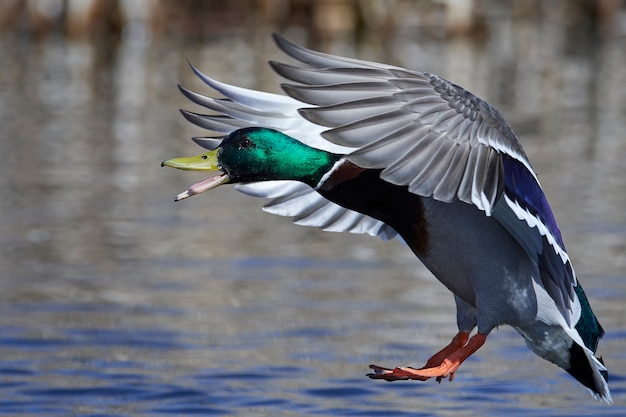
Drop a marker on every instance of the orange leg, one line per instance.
(457, 343)
(442, 364)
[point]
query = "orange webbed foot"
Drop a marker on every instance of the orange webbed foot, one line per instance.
(442, 365)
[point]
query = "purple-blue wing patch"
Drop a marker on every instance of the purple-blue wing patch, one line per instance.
(521, 186)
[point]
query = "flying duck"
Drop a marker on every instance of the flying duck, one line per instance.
(363, 147)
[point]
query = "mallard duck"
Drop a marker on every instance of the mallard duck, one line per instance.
(363, 147)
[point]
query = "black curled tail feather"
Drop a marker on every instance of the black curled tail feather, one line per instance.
(605, 372)
(589, 371)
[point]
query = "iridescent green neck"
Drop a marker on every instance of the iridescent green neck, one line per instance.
(261, 154)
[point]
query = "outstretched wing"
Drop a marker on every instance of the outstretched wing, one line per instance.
(242, 107)
(450, 142)
(437, 139)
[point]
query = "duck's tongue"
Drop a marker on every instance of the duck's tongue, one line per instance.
(202, 186)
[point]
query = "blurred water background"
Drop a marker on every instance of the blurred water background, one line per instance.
(116, 301)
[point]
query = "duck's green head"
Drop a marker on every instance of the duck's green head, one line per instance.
(256, 154)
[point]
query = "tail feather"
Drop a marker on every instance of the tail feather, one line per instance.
(589, 371)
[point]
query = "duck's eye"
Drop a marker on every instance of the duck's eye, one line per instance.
(244, 144)
(204, 157)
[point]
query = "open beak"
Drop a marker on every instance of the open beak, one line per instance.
(204, 162)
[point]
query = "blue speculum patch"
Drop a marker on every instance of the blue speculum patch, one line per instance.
(521, 186)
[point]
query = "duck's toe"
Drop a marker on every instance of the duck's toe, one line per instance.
(396, 374)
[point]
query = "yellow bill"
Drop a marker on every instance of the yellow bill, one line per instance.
(204, 162)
